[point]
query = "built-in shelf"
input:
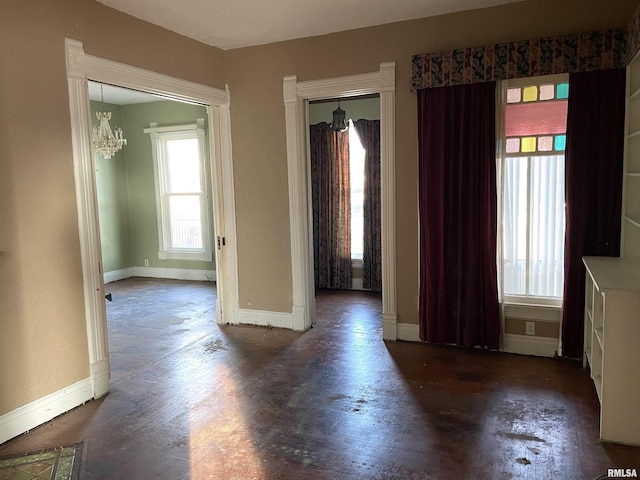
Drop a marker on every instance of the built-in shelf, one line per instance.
(630, 238)
(611, 350)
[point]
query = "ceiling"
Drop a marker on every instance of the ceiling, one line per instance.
(228, 24)
(118, 95)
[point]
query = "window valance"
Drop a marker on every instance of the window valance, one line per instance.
(600, 50)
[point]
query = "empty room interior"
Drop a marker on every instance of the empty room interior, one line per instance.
(352, 240)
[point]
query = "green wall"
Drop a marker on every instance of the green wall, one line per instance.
(126, 190)
(113, 200)
(368, 108)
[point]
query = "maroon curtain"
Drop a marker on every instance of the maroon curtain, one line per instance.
(331, 201)
(593, 187)
(457, 208)
(369, 133)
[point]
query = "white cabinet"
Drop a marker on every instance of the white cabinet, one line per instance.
(612, 344)
(630, 241)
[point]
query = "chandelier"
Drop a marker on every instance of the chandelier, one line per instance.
(339, 123)
(105, 141)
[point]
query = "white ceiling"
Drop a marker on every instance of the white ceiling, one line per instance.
(230, 24)
(239, 23)
(118, 95)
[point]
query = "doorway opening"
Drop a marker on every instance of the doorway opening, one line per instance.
(345, 194)
(82, 68)
(296, 96)
(156, 222)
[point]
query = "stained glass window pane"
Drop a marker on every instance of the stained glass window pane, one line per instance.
(513, 145)
(530, 94)
(545, 144)
(529, 144)
(560, 142)
(513, 95)
(536, 118)
(562, 91)
(547, 92)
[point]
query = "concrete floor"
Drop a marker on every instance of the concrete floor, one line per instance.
(194, 400)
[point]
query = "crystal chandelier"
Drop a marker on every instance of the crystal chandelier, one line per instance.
(105, 141)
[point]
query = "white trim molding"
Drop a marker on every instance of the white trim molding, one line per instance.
(115, 275)
(528, 345)
(266, 318)
(80, 69)
(44, 409)
(409, 332)
(295, 95)
(156, 272)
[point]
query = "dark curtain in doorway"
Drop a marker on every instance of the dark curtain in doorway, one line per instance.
(457, 211)
(593, 187)
(331, 199)
(369, 133)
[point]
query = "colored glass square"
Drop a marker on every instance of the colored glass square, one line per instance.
(536, 118)
(560, 142)
(529, 144)
(547, 92)
(545, 144)
(562, 90)
(530, 94)
(514, 95)
(513, 145)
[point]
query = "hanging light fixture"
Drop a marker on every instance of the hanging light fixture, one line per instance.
(339, 123)
(105, 141)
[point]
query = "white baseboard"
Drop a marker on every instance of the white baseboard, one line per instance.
(36, 413)
(266, 318)
(389, 327)
(156, 272)
(100, 373)
(523, 344)
(409, 332)
(115, 275)
(298, 320)
(530, 345)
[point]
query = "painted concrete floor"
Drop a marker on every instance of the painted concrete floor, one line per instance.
(191, 399)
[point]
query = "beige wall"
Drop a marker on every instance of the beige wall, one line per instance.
(43, 340)
(43, 346)
(255, 76)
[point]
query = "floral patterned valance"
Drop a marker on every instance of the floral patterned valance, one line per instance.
(545, 56)
(633, 35)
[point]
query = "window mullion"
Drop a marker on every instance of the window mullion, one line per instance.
(528, 231)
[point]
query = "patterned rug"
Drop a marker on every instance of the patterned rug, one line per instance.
(61, 463)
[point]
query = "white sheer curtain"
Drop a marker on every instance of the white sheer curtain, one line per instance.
(533, 226)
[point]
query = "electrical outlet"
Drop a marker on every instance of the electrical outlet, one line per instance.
(146, 262)
(530, 328)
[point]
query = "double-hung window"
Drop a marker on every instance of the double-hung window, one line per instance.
(356, 183)
(532, 185)
(181, 192)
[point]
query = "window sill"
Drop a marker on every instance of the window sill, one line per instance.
(185, 255)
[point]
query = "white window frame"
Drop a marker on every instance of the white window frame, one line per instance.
(502, 155)
(159, 136)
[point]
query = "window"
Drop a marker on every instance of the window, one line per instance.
(356, 181)
(181, 198)
(532, 173)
